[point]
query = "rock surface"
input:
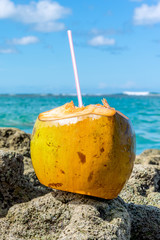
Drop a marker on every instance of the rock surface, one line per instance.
(15, 139)
(143, 185)
(142, 189)
(11, 172)
(149, 156)
(18, 182)
(67, 216)
(145, 222)
(29, 210)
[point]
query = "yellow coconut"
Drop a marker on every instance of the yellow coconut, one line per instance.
(88, 150)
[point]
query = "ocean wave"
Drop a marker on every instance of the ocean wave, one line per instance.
(136, 93)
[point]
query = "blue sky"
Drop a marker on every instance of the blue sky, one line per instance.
(117, 45)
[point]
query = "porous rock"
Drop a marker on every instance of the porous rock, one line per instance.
(143, 189)
(18, 141)
(11, 171)
(33, 213)
(15, 186)
(144, 183)
(145, 222)
(60, 215)
(11, 168)
(149, 156)
(15, 139)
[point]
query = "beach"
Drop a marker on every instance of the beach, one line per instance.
(29, 210)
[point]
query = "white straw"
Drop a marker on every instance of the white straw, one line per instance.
(75, 68)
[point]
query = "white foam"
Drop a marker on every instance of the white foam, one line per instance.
(136, 93)
(74, 120)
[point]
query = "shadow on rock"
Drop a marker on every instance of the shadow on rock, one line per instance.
(145, 222)
(15, 186)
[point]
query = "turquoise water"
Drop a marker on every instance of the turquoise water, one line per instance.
(21, 111)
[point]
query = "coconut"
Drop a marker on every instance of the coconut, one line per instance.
(88, 150)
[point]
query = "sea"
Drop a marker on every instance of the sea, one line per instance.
(143, 109)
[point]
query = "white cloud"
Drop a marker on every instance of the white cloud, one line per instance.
(7, 8)
(25, 40)
(43, 15)
(147, 14)
(7, 50)
(101, 41)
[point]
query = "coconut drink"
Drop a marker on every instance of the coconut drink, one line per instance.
(88, 150)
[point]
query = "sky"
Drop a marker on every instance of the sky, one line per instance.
(116, 42)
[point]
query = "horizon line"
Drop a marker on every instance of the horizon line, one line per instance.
(124, 93)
